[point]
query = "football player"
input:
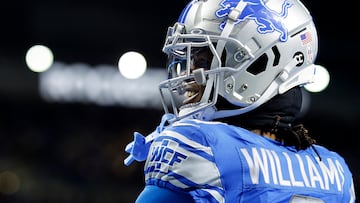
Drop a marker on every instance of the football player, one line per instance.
(230, 132)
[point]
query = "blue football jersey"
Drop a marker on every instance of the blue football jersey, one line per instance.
(217, 162)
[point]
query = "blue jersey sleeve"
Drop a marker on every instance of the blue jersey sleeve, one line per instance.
(182, 159)
(155, 194)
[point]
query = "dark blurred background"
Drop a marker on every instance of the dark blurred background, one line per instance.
(73, 151)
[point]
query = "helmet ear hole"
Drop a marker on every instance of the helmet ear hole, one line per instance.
(259, 65)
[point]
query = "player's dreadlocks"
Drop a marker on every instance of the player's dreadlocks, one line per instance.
(297, 136)
(278, 116)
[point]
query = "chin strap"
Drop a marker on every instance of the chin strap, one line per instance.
(139, 148)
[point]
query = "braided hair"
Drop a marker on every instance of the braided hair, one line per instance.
(297, 136)
(277, 116)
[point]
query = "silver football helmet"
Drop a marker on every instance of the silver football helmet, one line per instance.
(246, 51)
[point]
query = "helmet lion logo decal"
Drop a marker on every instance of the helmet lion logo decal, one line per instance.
(266, 19)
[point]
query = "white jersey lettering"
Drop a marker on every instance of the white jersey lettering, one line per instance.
(284, 169)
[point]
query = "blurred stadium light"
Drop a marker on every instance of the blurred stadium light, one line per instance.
(101, 85)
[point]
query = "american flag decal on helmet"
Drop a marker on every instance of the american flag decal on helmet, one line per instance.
(306, 37)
